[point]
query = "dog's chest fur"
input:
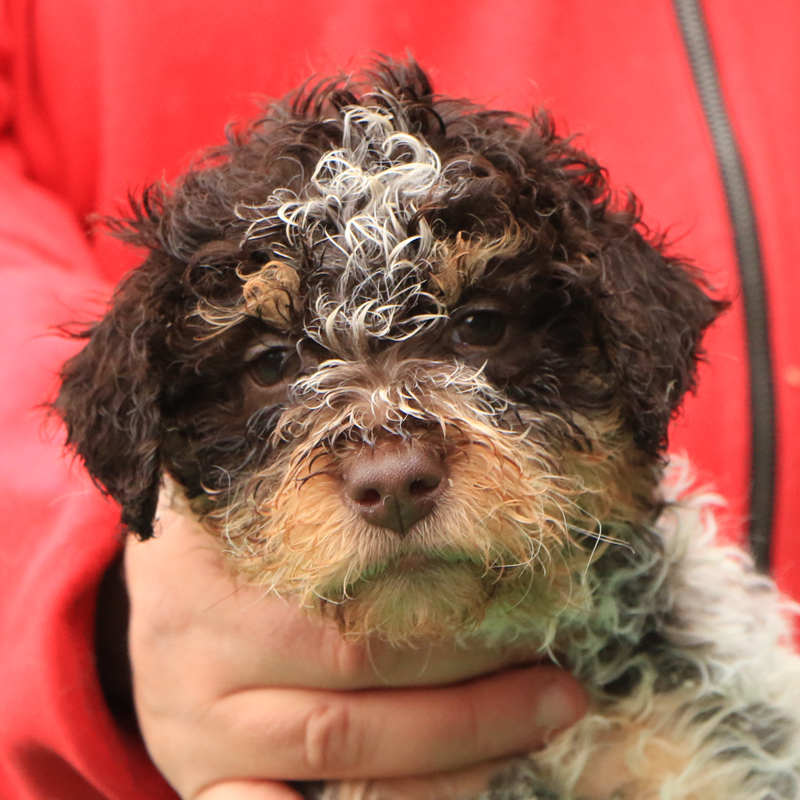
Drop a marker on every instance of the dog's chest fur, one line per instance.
(411, 362)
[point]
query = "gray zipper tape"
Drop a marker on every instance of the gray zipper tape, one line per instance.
(748, 253)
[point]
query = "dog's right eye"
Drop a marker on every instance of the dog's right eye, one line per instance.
(480, 328)
(266, 369)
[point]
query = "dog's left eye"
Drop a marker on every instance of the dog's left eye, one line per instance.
(267, 368)
(480, 328)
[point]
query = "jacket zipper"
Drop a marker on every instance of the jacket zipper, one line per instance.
(751, 274)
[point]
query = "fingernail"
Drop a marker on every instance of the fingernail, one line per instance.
(559, 707)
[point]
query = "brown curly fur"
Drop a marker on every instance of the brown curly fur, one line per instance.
(612, 321)
(371, 268)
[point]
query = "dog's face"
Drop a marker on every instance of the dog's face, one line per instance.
(399, 352)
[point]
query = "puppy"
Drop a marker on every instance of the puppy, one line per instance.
(413, 365)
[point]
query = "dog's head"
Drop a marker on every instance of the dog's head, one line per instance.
(404, 353)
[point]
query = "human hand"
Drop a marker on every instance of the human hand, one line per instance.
(237, 691)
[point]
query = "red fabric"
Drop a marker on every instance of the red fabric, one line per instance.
(97, 97)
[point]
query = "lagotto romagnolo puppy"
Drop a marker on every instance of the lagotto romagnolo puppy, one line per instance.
(413, 365)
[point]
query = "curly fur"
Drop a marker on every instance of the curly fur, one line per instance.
(315, 289)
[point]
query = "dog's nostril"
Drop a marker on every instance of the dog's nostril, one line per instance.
(422, 486)
(395, 486)
(368, 497)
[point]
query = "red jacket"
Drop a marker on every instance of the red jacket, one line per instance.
(97, 97)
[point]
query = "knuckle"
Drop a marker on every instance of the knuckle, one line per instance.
(352, 661)
(332, 745)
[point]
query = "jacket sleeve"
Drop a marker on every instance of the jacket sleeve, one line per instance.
(58, 535)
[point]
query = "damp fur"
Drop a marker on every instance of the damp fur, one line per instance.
(371, 267)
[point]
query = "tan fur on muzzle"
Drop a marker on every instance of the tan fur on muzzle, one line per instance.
(501, 533)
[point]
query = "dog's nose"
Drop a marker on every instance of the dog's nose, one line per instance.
(395, 486)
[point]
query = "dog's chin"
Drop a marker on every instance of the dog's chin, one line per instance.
(418, 600)
(411, 601)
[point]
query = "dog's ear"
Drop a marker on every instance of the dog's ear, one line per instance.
(655, 309)
(109, 400)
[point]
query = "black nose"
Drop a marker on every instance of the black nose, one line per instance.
(395, 486)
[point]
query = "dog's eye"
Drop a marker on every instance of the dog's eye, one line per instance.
(267, 368)
(480, 328)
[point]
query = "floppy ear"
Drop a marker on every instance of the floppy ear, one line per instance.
(109, 400)
(655, 309)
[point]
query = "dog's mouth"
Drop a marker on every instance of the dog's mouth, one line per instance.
(415, 571)
(419, 564)
(424, 597)
(411, 563)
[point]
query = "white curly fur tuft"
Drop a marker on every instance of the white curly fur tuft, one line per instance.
(359, 204)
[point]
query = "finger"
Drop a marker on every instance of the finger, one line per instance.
(247, 790)
(464, 784)
(312, 735)
(396, 733)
